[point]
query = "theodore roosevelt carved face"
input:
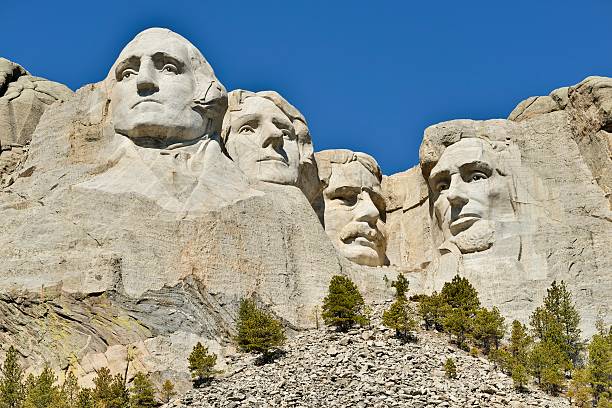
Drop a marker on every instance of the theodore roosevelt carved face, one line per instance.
(354, 211)
(470, 192)
(163, 91)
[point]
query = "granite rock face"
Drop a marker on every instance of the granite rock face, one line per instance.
(514, 204)
(139, 210)
(23, 100)
(128, 234)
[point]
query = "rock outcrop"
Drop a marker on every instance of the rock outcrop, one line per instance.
(138, 211)
(23, 100)
(364, 368)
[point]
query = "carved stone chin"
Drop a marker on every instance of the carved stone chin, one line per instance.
(479, 237)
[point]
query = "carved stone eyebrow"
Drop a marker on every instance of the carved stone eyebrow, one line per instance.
(476, 165)
(244, 119)
(161, 58)
(130, 62)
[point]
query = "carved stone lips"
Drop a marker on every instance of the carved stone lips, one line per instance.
(273, 158)
(462, 223)
(145, 100)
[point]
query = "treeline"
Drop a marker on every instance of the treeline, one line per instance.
(550, 351)
(109, 391)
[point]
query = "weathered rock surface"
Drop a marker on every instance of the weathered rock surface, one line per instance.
(23, 100)
(364, 368)
(555, 155)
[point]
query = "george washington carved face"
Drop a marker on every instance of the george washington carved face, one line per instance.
(156, 83)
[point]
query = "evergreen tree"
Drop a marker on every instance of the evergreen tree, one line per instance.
(520, 342)
(201, 364)
(450, 369)
(119, 394)
(11, 381)
(343, 306)
(167, 391)
(458, 323)
(400, 317)
(558, 320)
(579, 390)
(600, 365)
(142, 392)
(401, 286)
(488, 328)
(460, 294)
(109, 391)
(70, 391)
(520, 376)
(432, 310)
(502, 359)
(547, 363)
(258, 331)
(40, 392)
(85, 399)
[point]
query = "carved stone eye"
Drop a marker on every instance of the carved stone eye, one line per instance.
(246, 129)
(127, 73)
(441, 186)
(477, 176)
(169, 68)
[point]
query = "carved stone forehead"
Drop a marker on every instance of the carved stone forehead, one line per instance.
(352, 174)
(465, 151)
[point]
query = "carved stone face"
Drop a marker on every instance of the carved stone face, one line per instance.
(469, 194)
(263, 143)
(152, 99)
(353, 208)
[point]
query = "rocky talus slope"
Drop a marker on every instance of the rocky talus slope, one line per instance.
(363, 368)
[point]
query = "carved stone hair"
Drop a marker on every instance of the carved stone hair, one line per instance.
(326, 158)
(210, 96)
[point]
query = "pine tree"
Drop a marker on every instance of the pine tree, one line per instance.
(201, 365)
(579, 390)
(488, 328)
(258, 331)
(432, 310)
(70, 391)
(600, 365)
(343, 306)
(85, 399)
(167, 391)
(520, 342)
(400, 317)
(401, 286)
(460, 294)
(11, 381)
(457, 322)
(520, 376)
(142, 392)
(547, 363)
(558, 320)
(40, 392)
(119, 394)
(109, 391)
(450, 369)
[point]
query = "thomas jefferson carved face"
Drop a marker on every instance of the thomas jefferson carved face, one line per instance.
(262, 141)
(470, 194)
(354, 213)
(152, 101)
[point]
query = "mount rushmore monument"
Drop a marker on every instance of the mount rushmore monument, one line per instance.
(138, 211)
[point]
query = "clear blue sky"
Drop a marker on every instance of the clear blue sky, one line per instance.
(368, 75)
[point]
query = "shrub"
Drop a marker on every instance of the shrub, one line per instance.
(450, 369)
(201, 364)
(258, 331)
(400, 317)
(343, 306)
